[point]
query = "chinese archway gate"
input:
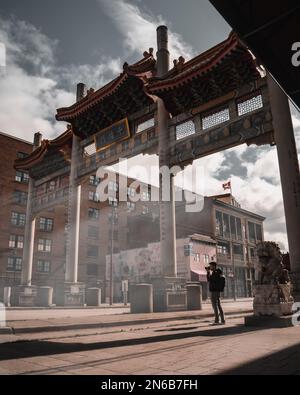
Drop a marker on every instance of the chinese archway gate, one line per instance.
(218, 100)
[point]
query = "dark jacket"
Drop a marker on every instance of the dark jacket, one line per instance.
(216, 281)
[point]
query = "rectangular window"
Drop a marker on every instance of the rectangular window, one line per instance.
(258, 229)
(43, 266)
(113, 186)
(94, 180)
(206, 259)
(125, 145)
(93, 232)
(46, 224)
(22, 177)
(18, 219)
(238, 250)
(219, 223)
(92, 251)
(223, 248)
(251, 230)
(16, 241)
(113, 218)
(113, 201)
(44, 245)
(20, 197)
(233, 228)
(239, 229)
(93, 196)
(93, 213)
(197, 257)
(14, 264)
(131, 192)
(226, 228)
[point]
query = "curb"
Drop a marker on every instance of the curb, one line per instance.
(59, 328)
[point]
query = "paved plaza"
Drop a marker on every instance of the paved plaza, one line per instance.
(149, 344)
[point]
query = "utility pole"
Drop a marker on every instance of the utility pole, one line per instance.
(233, 271)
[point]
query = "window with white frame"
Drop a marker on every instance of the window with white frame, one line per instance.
(20, 197)
(44, 245)
(94, 180)
(14, 264)
(145, 210)
(46, 224)
(18, 219)
(16, 241)
(22, 177)
(146, 196)
(206, 259)
(197, 257)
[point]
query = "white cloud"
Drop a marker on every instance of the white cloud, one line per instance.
(138, 28)
(32, 85)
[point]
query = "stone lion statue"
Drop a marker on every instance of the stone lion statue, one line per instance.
(270, 267)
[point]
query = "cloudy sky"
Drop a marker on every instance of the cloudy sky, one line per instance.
(51, 46)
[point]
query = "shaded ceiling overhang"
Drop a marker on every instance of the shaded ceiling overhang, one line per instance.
(206, 77)
(270, 29)
(118, 99)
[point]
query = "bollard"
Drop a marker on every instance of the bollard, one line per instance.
(141, 298)
(93, 297)
(194, 297)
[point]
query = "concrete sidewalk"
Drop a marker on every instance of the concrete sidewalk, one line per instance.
(54, 320)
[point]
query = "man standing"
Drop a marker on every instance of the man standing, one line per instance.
(216, 282)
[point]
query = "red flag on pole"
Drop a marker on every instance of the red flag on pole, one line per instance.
(227, 186)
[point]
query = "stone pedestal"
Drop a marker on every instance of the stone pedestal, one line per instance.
(169, 294)
(141, 298)
(70, 294)
(272, 300)
(194, 297)
(93, 297)
(25, 296)
(44, 297)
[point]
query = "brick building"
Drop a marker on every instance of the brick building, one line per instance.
(229, 232)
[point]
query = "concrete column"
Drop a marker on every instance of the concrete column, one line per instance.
(289, 171)
(167, 208)
(26, 274)
(71, 274)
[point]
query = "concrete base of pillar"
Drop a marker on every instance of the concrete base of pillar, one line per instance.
(93, 297)
(295, 278)
(70, 294)
(194, 297)
(169, 294)
(24, 296)
(44, 297)
(141, 298)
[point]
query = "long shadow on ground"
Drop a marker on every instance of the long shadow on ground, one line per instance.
(28, 349)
